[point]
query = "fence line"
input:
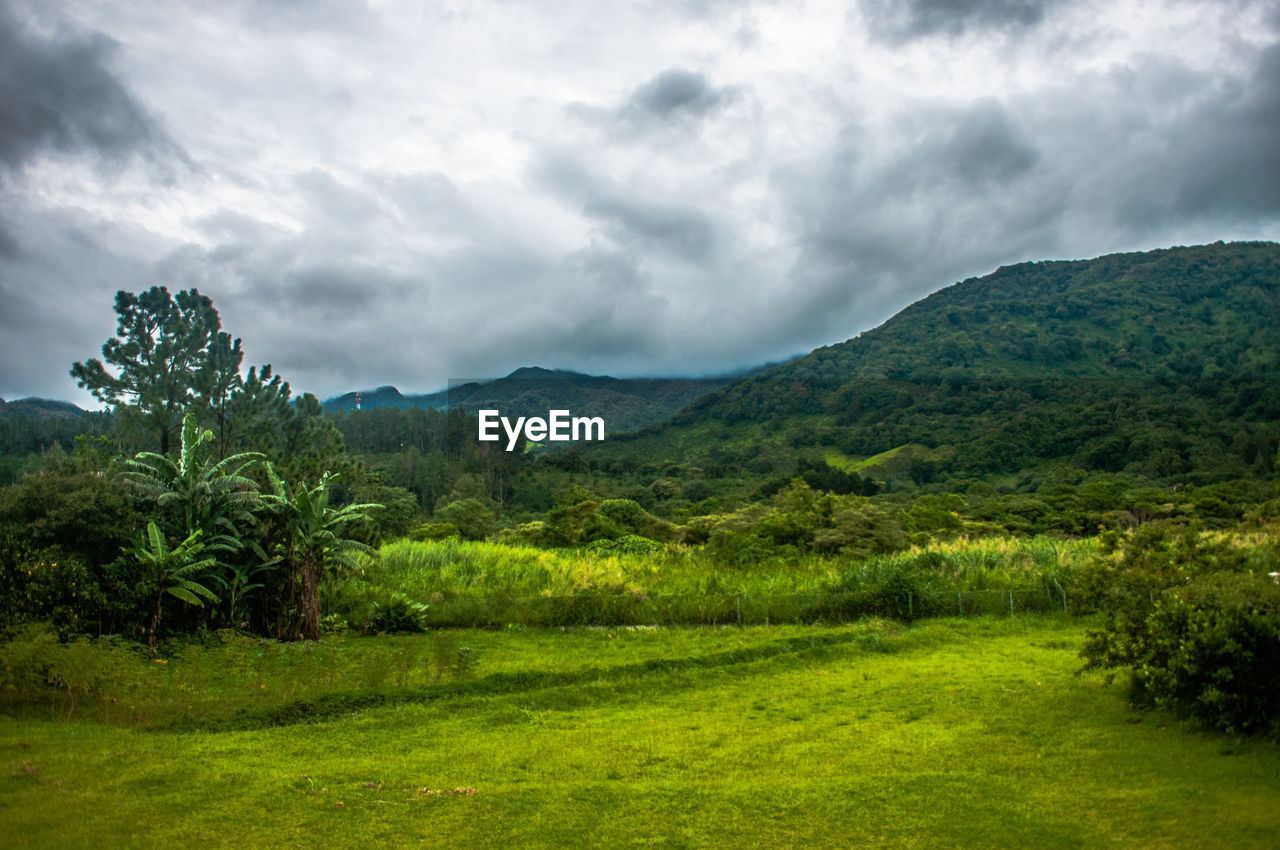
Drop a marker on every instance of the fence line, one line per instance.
(732, 609)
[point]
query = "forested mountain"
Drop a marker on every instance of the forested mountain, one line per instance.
(31, 426)
(40, 408)
(1162, 364)
(625, 404)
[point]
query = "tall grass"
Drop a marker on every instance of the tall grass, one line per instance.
(484, 584)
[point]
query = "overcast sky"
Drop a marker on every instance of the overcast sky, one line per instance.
(403, 192)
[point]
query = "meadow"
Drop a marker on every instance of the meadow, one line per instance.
(946, 732)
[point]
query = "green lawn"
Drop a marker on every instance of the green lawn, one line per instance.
(948, 733)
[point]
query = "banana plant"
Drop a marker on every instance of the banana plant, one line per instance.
(215, 498)
(315, 535)
(210, 497)
(169, 571)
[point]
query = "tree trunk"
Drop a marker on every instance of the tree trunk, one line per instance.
(155, 621)
(310, 604)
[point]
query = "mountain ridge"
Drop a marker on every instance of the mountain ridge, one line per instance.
(1165, 361)
(625, 403)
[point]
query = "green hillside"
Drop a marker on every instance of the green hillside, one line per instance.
(1163, 364)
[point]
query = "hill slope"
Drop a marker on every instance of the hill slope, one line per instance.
(625, 404)
(1164, 363)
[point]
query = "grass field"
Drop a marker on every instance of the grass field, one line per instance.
(948, 733)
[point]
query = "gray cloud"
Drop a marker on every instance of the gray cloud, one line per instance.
(902, 20)
(390, 195)
(628, 218)
(1230, 160)
(60, 94)
(676, 102)
(52, 298)
(977, 147)
(676, 92)
(679, 230)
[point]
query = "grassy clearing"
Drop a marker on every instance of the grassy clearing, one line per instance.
(948, 733)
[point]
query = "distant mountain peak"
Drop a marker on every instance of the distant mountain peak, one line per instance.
(40, 408)
(539, 373)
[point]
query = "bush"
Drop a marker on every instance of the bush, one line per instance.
(628, 544)
(49, 585)
(398, 613)
(1208, 650)
(1196, 621)
(471, 517)
(435, 531)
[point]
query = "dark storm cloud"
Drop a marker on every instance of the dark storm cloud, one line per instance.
(628, 218)
(676, 102)
(903, 20)
(1227, 157)
(607, 314)
(683, 231)
(977, 146)
(942, 159)
(8, 244)
(1154, 146)
(882, 218)
(56, 296)
(676, 92)
(60, 94)
(341, 290)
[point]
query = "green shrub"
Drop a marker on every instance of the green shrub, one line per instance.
(36, 668)
(435, 531)
(628, 544)
(24, 662)
(472, 517)
(53, 586)
(1134, 568)
(626, 513)
(398, 613)
(1208, 650)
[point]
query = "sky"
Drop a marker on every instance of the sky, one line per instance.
(406, 193)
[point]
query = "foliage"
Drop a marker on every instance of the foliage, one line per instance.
(169, 355)
(61, 528)
(627, 544)
(54, 587)
(170, 570)
(196, 491)
(1203, 639)
(398, 515)
(632, 580)
(435, 531)
(1159, 365)
(398, 613)
(315, 535)
(471, 517)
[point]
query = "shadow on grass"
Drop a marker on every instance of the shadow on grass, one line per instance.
(337, 704)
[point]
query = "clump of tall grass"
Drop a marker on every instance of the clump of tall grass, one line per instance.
(473, 584)
(988, 564)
